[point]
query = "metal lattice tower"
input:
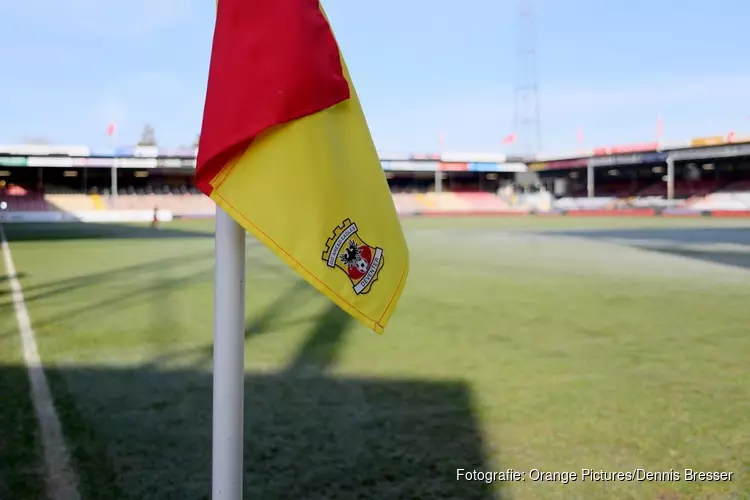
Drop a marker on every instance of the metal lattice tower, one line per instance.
(526, 121)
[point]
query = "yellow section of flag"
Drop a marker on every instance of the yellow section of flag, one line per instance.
(313, 190)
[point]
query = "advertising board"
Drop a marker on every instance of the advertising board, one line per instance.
(94, 162)
(627, 148)
(561, 164)
(714, 140)
(13, 161)
(453, 167)
(497, 167)
(135, 162)
(50, 161)
(168, 163)
(413, 166)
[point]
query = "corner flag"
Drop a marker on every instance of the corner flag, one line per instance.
(285, 150)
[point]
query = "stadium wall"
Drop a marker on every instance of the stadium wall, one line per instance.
(88, 216)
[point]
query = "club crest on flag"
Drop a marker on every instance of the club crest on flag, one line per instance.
(360, 261)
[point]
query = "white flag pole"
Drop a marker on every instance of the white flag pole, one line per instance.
(229, 358)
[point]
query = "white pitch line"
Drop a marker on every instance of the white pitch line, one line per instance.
(61, 480)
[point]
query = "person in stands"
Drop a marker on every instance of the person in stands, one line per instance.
(155, 220)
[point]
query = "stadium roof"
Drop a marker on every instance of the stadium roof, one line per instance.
(702, 147)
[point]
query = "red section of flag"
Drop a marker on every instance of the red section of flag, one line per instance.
(273, 61)
(509, 139)
(111, 128)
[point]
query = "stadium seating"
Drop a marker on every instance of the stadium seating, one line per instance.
(427, 202)
(184, 202)
(178, 204)
(70, 202)
(721, 201)
(462, 202)
(483, 202)
(735, 187)
(682, 189)
(616, 190)
(26, 203)
(653, 202)
(407, 203)
(447, 202)
(98, 201)
(18, 199)
(733, 196)
(597, 203)
(535, 200)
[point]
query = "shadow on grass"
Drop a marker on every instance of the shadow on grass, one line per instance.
(323, 345)
(107, 305)
(21, 469)
(677, 241)
(153, 287)
(4, 278)
(53, 288)
(298, 295)
(735, 259)
(5, 282)
(146, 434)
(99, 230)
(731, 235)
(272, 318)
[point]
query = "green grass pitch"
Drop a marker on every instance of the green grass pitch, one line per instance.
(556, 344)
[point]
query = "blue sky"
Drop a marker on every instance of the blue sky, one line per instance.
(421, 68)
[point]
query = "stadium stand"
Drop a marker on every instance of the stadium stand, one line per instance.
(682, 188)
(196, 204)
(652, 202)
(621, 178)
(70, 202)
(407, 203)
(723, 200)
(19, 199)
(446, 202)
(736, 187)
(178, 204)
(459, 202)
(98, 201)
(616, 189)
(598, 203)
(425, 201)
(484, 202)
